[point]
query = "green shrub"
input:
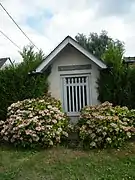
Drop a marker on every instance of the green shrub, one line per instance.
(115, 87)
(16, 85)
(35, 122)
(103, 126)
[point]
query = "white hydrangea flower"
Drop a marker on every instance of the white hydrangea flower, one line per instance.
(99, 139)
(5, 138)
(54, 121)
(31, 115)
(113, 125)
(59, 129)
(38, 128)
(93, 135)
(58, 139)
(104, 133)
(51, 143)
(49, 107)
(65, 133)
(49, 126)
(42, 100)
(2, 122)
(93, 144)
(99, 130)
(108, 140)
(12, 140)
(129, 134)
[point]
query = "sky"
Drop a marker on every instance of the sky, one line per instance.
(48, 22)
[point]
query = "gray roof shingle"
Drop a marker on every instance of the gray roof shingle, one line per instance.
(3, 61)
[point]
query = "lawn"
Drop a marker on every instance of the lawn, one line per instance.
(67, 164)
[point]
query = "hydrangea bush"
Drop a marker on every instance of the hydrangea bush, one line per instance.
(104, 126)
(35, 122)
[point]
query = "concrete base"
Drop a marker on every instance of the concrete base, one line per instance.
(74, 119)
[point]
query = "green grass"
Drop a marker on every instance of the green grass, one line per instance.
(66, 164)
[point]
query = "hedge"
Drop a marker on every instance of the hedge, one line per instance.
(16, 84)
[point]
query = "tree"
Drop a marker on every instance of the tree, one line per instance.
(97, 44)
(16, 84)
(113, 55)
(31, 59)
(113, 83)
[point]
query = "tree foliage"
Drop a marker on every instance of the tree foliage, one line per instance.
(16, 84)
(113, 84)
(113, 56)
(116, 84)
(98, 44)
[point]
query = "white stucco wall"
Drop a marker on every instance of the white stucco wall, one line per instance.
(71, 56)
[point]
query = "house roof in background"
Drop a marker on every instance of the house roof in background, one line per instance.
(61, 46)
(129, 60)
(3, 61)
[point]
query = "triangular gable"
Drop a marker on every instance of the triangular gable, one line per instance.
(61, 46)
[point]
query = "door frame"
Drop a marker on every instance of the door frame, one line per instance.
(62, 89)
